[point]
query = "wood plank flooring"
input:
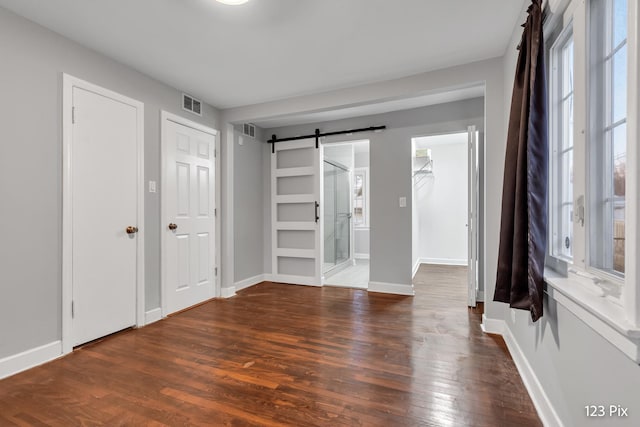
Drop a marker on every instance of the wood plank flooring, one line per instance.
(288, 355)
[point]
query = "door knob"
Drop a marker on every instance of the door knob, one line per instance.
(173, 226)
(132, 230)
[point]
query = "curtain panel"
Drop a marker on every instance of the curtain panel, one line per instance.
(523, 230)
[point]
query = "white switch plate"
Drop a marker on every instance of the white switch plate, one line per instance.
(152, 186)
(403, 202)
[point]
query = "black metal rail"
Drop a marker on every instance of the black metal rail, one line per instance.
(317, 135)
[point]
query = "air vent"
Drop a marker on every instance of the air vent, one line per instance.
(249, 130)
(189, 103)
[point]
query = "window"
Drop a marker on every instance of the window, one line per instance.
(561, 142)
(589, 129)
(608, 135)
(360, 198)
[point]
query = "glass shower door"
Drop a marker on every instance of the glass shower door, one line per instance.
(329, 216)
(337, 215)
(343, 215)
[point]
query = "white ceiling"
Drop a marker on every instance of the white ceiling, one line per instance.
(273, 49)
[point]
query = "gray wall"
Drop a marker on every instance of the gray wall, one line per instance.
(575, 365)
(390, 169)
(33, 60)
(248, 200)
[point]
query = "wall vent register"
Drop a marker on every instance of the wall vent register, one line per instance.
(249, 130)
(189, 103)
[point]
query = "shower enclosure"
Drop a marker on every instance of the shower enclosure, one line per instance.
(337, 215)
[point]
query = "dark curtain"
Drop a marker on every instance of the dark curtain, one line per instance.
(523, 230)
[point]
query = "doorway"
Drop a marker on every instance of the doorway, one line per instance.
(103, 213)
(446, 206)
(345, 214)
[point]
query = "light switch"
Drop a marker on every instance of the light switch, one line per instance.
(152, 186)
(403, 202)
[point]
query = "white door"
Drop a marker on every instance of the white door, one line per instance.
(295, 212)
(104, 172)
(188, 256)
(472, 228)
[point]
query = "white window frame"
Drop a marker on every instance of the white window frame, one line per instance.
(587, 292)
(556, 143)
(600, 162)
(364, 172)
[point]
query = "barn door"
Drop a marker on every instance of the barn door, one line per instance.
(295, 213)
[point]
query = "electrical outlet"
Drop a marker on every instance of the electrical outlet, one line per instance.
(403, 202)
(152, 186)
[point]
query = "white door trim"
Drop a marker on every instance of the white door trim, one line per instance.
(68, 83)
(164, 117)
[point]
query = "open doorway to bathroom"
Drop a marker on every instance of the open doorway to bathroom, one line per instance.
(346, 214)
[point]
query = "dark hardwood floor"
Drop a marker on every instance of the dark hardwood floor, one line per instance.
(288, 355)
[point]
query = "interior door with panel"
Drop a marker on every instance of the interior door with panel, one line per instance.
(472, 226)
(295, 212)
(188, 255)
(104, 177)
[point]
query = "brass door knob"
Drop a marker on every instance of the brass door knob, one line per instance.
(132, 230)
(173, 226)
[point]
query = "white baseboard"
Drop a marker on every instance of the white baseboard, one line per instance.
(391, 288)
(251, 281)
(541, 401)
(416, 266)
(361, 256)
(228, 292)
(444, 261)
(294, 280)
(152, 316)
(16, 363)
(492, 326)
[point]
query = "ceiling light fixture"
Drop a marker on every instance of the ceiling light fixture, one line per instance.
(233, 2)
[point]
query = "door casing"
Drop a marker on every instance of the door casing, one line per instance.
(68, 83)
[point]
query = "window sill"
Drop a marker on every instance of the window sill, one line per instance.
(579, 296)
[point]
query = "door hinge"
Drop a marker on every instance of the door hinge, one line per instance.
(73, 115)
(215, 271)
(215, 212)
(73, 312)
(215, 152)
